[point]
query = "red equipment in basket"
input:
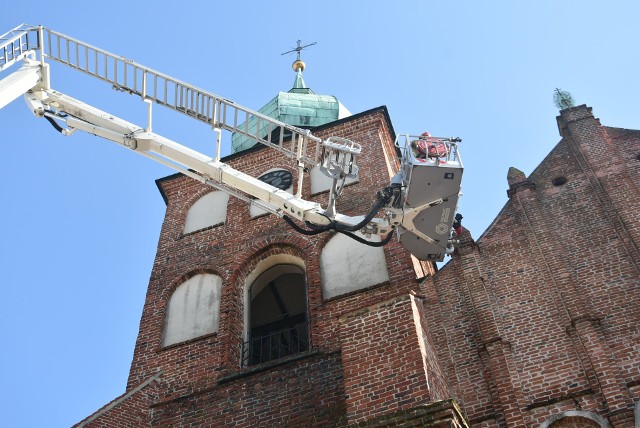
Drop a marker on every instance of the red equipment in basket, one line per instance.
(431, 147)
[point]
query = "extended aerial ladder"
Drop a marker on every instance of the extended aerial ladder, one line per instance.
(419, 204)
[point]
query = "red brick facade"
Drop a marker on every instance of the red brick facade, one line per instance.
(536, 324)
(542, 314)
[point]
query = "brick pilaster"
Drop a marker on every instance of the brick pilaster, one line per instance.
(382, 363)
(494, 349)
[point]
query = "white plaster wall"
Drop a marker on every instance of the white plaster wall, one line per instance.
(193, 309)
(255, 211)
(322, 183)
(209, 210)
(347, 265)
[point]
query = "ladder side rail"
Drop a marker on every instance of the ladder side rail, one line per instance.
(128, 76)
(254, 133)
(262, 128)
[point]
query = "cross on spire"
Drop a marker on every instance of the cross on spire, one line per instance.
(298, 49)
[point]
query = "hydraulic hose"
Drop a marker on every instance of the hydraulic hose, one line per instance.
(384, 197)
(382, 243)
(300, 229)
(53, 122)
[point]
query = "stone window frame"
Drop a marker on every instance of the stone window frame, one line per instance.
(575, 413)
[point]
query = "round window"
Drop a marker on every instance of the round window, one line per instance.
(281, 179)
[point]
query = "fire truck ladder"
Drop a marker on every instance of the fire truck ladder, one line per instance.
(408, 209)
(154, 87)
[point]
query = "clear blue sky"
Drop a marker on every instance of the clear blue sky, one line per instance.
(80, 216)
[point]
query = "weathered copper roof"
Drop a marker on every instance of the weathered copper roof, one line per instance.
(300, 106)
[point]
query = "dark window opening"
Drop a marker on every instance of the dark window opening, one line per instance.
(278, 322)
(280, 178)
(559, 181)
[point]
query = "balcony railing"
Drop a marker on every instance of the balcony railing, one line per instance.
(276, 344)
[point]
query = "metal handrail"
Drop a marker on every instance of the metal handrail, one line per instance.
(275, 345)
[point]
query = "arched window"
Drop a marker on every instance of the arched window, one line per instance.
(209, 210)
(277, 315)
(193, 309)
(347, 265)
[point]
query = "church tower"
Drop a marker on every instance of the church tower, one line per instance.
(249, 323)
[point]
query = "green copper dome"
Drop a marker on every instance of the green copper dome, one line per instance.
(299, 107)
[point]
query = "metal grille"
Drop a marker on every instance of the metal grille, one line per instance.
(275, 345)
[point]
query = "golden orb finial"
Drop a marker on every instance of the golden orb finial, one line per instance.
(298, 65)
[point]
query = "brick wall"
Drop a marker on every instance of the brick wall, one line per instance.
(436, 378)
(131, 409)
(536, 320)
(383, 369)
(306, 392)
(541, 315)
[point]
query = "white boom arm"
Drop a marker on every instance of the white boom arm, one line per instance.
(403, 210)
(89, 119)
